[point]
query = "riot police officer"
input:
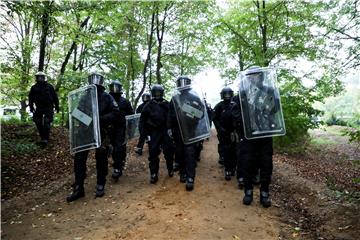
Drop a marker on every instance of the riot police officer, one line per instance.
(224, 127)
(43, 95)
(153, 124)
(145, 98)
(118, 136)
(259, 105)
(188, 125)
(221, 119)
(108, 114)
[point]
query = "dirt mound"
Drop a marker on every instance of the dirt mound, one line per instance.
(25, 166)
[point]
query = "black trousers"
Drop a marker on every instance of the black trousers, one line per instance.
(117, 139)
(141, 141)
(101, 166)
(160, 140)
(252, 153)
(221, 145)
(229, 153)
(185, 156)
(43, 120)
(198, 149)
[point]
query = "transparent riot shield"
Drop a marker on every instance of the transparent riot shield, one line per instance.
(191, 115)
(84, 119)
(260, 104)
(132, 126)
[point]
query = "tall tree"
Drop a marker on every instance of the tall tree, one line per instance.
(18, 30)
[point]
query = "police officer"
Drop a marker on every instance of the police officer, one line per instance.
(153, 124)
(43, 95)
(224, 127)
(257, 151)
(108, 113)
(145, 98)
(210, 111)
(118, 136)
(186, 153)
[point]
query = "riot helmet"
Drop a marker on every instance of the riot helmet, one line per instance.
(40, 77)
(115, 87)
(146, 97)
(96, 78)
(157, 91)
(255, 75)
(227, 93)
(183, 81)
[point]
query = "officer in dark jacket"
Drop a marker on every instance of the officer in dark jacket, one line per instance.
(108, 114)
(153, 124)
(118, 129)
(145, 98)
(224, 127)
(43, 95)
(185, 154)
(254, 153)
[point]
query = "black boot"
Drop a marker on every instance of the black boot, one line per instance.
(227, 175)
(100, 190)
(116, 174)
(170, 172)
(78, 192)
(138, 151)
(241, 183)
(265, 199)
(153, 178)
(248, 197)
(176, 167)
(221, 161)
(182, 178)
(189, 184)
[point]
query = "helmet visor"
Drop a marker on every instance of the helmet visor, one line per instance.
(145, 97)
(114, 88)
(96, 79)
(40, 78)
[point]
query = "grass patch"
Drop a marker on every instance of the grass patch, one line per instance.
(17, 147)
(336, 130)
(322, 141)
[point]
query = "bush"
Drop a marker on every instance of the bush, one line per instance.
(15, 121)
(19, 147)
(353, 134)
(333, 120)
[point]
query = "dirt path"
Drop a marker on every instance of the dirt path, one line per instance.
(134, 209)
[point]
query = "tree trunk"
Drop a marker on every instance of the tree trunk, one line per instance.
(45, 25)
(148, 57)
(68, 55)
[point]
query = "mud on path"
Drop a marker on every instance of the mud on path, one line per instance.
(134, 209)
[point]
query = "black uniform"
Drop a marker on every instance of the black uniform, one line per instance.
(108, 114)
(142, 138)
(185, 155)
(252, 154)
(118, 133)
(45, 99)
(224, 127)
(153, 123)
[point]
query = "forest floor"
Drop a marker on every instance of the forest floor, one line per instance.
(316, 195)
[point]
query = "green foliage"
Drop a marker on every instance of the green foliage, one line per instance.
(353, 134)
(19, 147)
(15, 121)
(297, 104)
